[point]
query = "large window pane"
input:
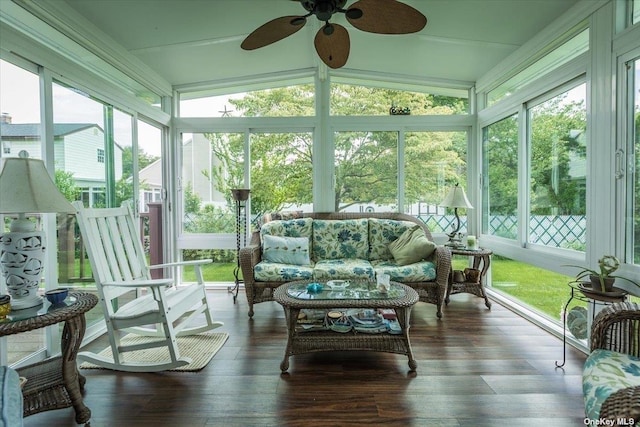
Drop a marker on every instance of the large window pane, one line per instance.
(149, 165)
(20, 130)
(352, 100)
(500, 178)
(366, 167)
(281, 172)
(558, 180)
(562, 54)
(434, 161)
(289, 101)
(212, 164)
(537, 288)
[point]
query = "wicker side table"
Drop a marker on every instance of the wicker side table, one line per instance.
(55, 383)
(481, 261)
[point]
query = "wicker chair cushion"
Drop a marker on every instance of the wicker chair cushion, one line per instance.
(339, 239)
(381, 233)
(423, 271)
(10, 398)
(266, 271)
(347, 268)
(606, 372)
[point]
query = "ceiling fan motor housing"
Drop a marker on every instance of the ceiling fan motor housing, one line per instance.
(323, 9)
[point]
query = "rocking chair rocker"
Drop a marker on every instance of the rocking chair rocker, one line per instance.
(131, 300)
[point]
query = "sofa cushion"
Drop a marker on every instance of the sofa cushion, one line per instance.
(381, 233)
(340, 239)
(10, 398)
(422, 271)
(606, 372)
(347, 268)
(286, 250)
(266, 271)
(301, 227)
(411, 247)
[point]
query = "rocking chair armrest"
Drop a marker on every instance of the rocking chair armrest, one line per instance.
(141, 283)
(195, 262)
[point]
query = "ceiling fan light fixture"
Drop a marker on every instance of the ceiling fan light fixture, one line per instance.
(328, 29)
(354, 13)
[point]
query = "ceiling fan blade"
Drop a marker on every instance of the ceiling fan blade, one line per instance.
(387, 17)
(273, 31)
(333, 48)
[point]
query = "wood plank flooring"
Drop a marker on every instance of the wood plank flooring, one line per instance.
(476, 367)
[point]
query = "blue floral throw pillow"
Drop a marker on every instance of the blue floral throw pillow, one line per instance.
(286, 250)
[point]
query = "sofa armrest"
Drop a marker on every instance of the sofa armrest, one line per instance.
(617, 328)
(442, 260)
(249, 257)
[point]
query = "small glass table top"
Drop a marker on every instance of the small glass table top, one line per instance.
(355, 290)
(45, 308)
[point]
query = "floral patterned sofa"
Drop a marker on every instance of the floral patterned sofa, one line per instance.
(611, 375)
(344, 245)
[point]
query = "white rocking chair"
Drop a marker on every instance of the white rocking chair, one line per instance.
(112, 241)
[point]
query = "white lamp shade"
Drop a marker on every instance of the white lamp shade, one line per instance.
(26, 187)
(456, 198)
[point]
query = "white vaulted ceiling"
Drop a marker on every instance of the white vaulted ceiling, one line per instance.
(194, 41)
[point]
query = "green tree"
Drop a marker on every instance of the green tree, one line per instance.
(124, 186)
(144, 160)
(67, 185)
(366, 162)
(558, 145)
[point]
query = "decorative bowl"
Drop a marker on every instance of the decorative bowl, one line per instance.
(314, 288)
(5, 306)
(338, 285)
(57, 296)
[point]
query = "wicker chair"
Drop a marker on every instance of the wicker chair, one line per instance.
(617, 328)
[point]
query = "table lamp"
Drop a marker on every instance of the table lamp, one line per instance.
(25, 187)
(456, 198)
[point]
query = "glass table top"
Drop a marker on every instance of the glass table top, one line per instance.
(359, 290)
(45, 308)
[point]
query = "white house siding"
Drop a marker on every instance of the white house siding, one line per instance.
(81, 155)
(31, 147)
(197, 157)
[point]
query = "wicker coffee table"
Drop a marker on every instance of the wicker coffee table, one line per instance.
(359, 295)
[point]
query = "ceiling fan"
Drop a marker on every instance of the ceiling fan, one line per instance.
(332, 40)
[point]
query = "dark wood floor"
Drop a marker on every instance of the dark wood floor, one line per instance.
(475, 368)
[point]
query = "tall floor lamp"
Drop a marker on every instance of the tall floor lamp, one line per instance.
(25, 187)
(240, 195)
(456, 198)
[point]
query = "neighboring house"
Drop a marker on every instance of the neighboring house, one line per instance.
(197, 157)
(150, 184)
(78, 149)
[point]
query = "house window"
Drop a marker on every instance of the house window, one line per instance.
(100, 152)
(6, 148)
